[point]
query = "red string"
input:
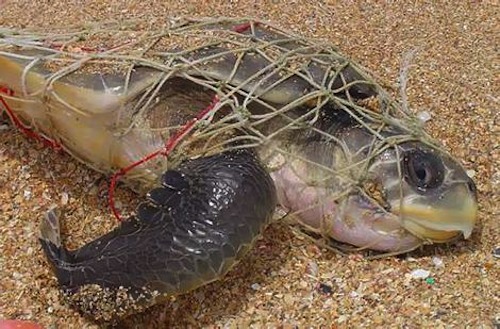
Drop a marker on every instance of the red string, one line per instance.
(243, 27)
(171, 143)
(169, 146)
(26, 130)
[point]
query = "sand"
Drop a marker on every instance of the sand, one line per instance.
(287, 281)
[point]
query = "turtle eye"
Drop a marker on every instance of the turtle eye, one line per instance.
(422, 169)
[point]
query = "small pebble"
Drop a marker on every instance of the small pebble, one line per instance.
(64, 198)
(424, 116)
(438, 262)
(255, 286)
(312, 269)
(27, 194)
(288, 299)
(303, 284)
(342, 318)
(420, 274)
(471, 173)
(325, 289)
(118, 204)
(46, 196)
(496, 252)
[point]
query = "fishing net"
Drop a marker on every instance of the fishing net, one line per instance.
(136, 102)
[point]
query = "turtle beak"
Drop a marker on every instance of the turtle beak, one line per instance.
(445, 218)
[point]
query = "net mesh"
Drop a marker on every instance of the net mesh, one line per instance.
(124, 99)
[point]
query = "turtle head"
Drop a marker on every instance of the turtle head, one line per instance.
(409, 192)
(388, 192)
(379, 192)
(429, 191)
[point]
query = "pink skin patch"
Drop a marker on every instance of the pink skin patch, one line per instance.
(352, 219)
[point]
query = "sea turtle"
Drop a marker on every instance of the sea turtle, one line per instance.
(285, 121)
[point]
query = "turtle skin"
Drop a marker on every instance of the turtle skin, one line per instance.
(190, 231)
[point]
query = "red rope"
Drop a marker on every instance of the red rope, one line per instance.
(171, 143)
(169, 146)
(26, 130)
(243, 27)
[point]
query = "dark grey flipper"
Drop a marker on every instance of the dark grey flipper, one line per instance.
(190, 232)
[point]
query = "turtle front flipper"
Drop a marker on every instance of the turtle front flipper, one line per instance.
(191, 230)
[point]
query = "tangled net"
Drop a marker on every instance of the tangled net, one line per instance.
(135, 102)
